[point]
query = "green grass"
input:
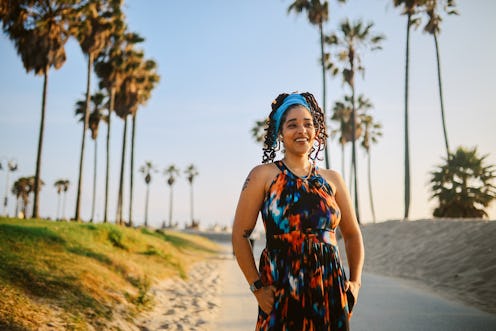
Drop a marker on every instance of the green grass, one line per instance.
(77, 273)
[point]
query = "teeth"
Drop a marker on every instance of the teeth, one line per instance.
(301, 139)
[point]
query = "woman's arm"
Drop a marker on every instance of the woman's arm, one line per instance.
(249, 204)
(351, 234)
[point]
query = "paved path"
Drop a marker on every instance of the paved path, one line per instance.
(385, 304)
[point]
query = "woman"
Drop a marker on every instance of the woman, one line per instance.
(300, 283)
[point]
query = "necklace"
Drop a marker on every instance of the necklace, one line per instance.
(294, 173)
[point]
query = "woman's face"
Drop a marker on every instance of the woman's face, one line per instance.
(298, 131)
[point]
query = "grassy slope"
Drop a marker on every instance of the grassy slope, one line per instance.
(81, 276)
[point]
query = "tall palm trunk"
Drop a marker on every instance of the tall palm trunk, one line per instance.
(342, 162)
(77, 216)
(353, 133)
(191, 205)
(353, 151)
(407, 151)
(37, 179)
(170, 206)
(107, 166)
(131, 175)
(118, 218)
(324, 109)
(95, 161)
(146, 204)
(63, 205)
(57, 217)
(372, 209)
(443, 118)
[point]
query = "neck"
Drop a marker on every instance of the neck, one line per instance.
(297, 162)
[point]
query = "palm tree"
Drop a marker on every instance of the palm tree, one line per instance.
(11, 166)
(342, 113)
(66, 188)
(191, 173)
(258, 130)
(147, 170)
(142, 82)
(61, 185)
(92, 27)
(433, 27)
(97, 114)
(318, 14)
(110, 69)
(123, 103)
(171, 173)
(410, 8)
(463, 185)
(349, 40)
(371, 133)
(39, 31)
(21, 189)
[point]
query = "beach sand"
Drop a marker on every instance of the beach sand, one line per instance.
(454, 258)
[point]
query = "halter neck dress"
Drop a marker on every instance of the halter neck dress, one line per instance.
(301, 257)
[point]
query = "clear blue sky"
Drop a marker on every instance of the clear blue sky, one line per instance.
(221, 65)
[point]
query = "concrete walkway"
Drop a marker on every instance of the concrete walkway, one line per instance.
(385, 304)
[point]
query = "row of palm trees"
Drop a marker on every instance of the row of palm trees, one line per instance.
(40, 29)
(346, 61)
(171, 173)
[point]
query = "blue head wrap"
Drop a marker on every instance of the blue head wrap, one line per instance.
(290, 100)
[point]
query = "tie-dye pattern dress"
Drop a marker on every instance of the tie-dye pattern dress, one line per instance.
(301, 258)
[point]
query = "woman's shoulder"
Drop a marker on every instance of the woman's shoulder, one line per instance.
(333, 177)
(264, 170)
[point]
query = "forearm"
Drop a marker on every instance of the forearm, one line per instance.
(244, 255)
(355, 255)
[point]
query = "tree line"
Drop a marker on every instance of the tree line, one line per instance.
(126, 78)
(468, 188)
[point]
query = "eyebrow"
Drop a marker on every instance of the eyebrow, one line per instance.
(294, 119)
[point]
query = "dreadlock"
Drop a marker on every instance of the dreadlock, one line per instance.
(271, 144)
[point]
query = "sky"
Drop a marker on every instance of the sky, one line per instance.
(221, 64)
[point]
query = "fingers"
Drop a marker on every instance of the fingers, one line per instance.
(265, 298)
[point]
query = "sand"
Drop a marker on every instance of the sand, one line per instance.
(454, 258)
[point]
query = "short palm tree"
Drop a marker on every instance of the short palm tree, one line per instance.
(147, 169)
(463, 185)
(62, 185)
(22, 189)
(410, 8)
(171, 173)
(349, 41)
(98, 104)
(11, 166)
(39, 31)
(433, 27)
(191, 173)
(318, 13)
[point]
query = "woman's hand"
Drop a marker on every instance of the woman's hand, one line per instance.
(354, 288)
(265, 298)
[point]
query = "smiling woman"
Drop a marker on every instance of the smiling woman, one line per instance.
(300, 283)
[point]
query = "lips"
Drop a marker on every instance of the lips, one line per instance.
(301, 140)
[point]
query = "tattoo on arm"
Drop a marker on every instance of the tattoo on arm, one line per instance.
(245, 185)
(247, 233)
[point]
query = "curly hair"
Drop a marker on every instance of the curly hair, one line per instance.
(271, 144)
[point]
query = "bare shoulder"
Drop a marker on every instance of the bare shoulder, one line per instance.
(261, 174)
(333, 178)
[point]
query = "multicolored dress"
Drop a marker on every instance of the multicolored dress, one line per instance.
(301, 258)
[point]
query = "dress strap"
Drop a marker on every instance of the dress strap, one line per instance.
(281, 166)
